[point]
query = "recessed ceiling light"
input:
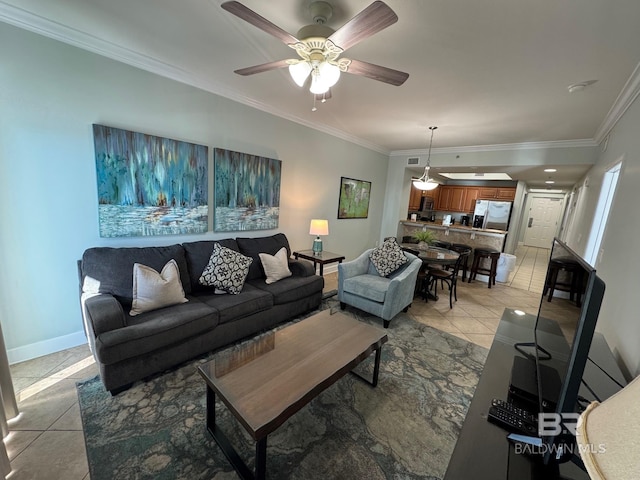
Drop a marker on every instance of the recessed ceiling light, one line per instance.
(549, 182)
(550, 170)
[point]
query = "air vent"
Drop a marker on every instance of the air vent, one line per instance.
(413, 161)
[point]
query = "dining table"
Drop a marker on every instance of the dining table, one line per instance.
(431, 256)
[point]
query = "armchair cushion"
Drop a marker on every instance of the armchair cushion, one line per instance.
(387, 258)
(372, 287)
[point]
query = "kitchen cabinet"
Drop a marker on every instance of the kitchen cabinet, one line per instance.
(451, 198)
(497, 193)
(507, 194)
(471, 195)
(414, 198)
(454, 198)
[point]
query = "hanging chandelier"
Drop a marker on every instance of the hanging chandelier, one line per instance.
(424, 182)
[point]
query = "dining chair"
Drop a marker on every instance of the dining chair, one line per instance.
(450, 277)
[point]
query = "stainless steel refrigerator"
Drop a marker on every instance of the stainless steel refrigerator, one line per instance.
(496, 214)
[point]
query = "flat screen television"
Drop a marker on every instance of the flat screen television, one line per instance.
(564, 328)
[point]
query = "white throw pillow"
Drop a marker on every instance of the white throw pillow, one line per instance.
(152, 290)
(227, 270)
(276, 267)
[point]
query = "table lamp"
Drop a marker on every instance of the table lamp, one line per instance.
(318, 227)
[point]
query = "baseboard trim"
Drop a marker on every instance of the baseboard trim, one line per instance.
(45, 347)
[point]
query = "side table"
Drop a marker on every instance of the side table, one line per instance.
(321, 259)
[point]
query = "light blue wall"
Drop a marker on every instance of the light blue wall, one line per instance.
(51, 94)
(618, 263)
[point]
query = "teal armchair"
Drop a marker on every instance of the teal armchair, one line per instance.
(360, 286)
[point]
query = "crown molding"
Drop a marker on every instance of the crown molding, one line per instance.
(21, 18)
(37, 24)
(624, 100)
(587, 142)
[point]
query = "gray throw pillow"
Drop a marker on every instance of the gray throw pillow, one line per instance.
(227, 270)
(387, 258)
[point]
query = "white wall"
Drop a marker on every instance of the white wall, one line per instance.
(51, 94)
(618, 265)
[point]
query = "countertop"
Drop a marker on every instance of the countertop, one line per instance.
(455, 227)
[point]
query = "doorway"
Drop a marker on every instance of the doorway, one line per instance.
(542, 225)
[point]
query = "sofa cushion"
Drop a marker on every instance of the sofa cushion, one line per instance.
(227, 270)
(253, 247)
(153, 290)
(197, 255)
(387, 258)
(276, 267)
(233, 307)
(291, 288)
(151, 331)
(110, 270)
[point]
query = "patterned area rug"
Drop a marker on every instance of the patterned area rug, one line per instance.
(405, 428)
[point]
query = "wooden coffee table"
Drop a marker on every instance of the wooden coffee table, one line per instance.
(266, 381)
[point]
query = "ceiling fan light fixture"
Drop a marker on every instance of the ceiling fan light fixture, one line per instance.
(323, 77)
(329, 72)
(299, 72)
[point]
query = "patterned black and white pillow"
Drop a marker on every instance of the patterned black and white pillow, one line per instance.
(387, 258)
(227, 270)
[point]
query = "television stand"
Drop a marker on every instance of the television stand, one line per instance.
(482, 450)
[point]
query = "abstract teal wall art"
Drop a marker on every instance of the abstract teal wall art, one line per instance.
(149, 185)
(247, 191)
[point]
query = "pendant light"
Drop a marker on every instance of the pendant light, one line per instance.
(424, 182)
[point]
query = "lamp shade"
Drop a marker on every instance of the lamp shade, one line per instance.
(319, 227)
(428, 184)
(299, 72)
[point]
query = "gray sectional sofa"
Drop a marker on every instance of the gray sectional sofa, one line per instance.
(129, 348)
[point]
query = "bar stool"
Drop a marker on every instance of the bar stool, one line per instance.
(485, 253)
(564, 274)
(461, 248)
(441, 244)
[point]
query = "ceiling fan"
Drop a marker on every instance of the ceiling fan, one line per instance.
(319, 46)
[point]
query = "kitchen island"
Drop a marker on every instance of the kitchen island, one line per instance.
(474, 237)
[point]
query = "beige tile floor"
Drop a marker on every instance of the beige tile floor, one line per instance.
(46, 440)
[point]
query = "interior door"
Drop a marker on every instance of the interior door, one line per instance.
(544, 215)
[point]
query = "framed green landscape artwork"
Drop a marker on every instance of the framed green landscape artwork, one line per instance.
(149, 185)
(354, 198)
(247, 191)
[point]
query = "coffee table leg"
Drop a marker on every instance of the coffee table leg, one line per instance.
(228, 450)
(376, 369)
(261, 459)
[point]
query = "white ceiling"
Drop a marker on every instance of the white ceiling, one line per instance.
(489, 72)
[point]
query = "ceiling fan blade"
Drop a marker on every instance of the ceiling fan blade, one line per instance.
(256, 20)
(265, 67)
(376, 72)
(369, 21)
